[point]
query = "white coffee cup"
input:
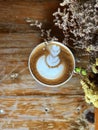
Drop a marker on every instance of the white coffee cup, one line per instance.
(51, 64)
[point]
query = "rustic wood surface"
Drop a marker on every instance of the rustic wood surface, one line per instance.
(24, 104)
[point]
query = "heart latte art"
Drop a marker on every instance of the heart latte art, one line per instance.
(51, 64)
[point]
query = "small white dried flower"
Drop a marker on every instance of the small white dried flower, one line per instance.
(65, 2)
(28, 20)
(32, 24)
(14, 75)
(39, 25)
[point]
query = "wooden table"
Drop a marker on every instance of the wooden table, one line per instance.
(24, 104)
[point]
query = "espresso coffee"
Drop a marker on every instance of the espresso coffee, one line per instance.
(51, 75)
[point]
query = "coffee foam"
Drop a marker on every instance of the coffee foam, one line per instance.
(48, 75)
(53, 58)
(48, 72)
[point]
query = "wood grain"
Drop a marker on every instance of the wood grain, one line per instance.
(25, 104)
(13, 14)
(44, 112)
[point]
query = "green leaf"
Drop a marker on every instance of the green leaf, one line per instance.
(77, 69)
(83, 72)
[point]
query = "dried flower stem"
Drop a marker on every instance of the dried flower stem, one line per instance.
(45, 34)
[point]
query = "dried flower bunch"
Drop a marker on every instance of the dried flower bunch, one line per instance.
(45, 34)
(79, 22)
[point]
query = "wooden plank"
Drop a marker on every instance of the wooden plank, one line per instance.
(24, 84)
(34, 125)
(42, 112)
(14, 13)
(17, 40)
(32, 106)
